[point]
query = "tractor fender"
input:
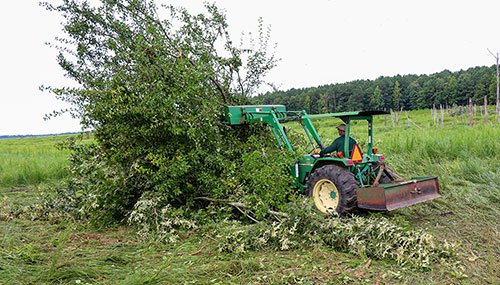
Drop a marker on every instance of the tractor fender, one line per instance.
(320, 162)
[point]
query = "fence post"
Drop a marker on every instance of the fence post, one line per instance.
(442, 114)
(398, 116)
(471, 113)
(434, 114)
(486, 110)
(392, 118)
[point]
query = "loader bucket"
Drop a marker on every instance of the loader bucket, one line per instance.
(388, 197)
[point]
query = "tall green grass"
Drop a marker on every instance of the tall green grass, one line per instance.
(466, 160)
(31, 161)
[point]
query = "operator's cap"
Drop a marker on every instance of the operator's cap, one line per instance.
(341, 127)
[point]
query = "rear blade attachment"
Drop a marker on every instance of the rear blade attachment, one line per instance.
(388, 197)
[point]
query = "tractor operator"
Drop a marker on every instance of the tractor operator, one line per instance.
(338, 143)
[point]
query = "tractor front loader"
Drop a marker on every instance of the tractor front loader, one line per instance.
(344, 182)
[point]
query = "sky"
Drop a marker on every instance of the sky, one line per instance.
(319, 42)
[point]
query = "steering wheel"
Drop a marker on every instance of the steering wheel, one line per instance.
(316, 155)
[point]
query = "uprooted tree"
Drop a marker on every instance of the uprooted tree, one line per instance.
(152, 83)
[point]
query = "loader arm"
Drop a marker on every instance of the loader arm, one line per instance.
(278, 130)
(267, 114)
(273, 115)
(310, 130)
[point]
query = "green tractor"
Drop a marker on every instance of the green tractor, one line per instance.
(346, 181)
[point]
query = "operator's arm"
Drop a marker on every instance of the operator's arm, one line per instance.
(335, 146)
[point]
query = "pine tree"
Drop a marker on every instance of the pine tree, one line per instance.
(396, 96)
(376, 102)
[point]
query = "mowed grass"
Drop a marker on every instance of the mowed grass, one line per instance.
(65, 253)
(465, 159)
(31, 161)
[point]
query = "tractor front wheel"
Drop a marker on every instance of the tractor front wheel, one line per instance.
(333, 189)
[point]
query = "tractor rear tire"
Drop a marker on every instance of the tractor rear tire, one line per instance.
(333, 189)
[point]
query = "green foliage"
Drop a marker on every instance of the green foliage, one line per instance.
(376, 102)
(396, 96)
(153, 90)
(255, 184)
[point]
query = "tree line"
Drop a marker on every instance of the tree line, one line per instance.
(408, 92)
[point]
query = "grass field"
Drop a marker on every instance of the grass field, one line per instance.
(31, 161)
(58, 251)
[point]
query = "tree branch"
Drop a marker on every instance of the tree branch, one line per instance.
(179, 51)
(243, 208)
